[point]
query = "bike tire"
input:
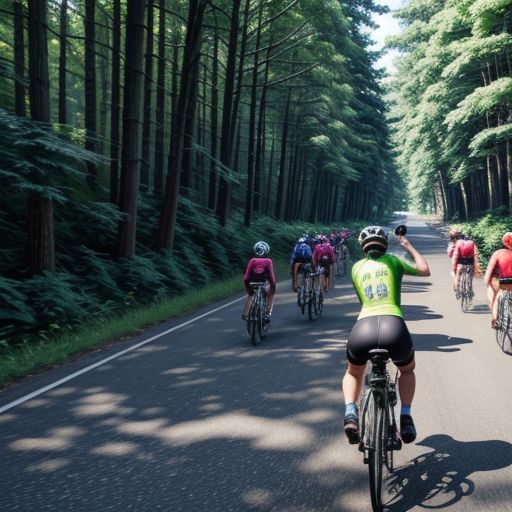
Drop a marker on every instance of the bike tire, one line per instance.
(502, 322)
(262, 326)
(319, 303)
(312, 315)
(376, 455)
(465, 299)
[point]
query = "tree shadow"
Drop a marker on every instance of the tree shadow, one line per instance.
(415, 286)
(440, 478)
(418, 312)
(438, 342)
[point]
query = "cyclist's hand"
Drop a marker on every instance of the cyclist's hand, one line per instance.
(404, 242)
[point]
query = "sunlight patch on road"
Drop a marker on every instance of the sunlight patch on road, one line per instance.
(57, 440)
(63, 391)
(264, 433)
(196, 382)
(257, 497)
(115, 449)
(48, 466)
(180, 371)
(100, 404)
(316, 416)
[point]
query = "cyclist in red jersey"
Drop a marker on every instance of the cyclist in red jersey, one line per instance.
(260, 269)
(498, 270)
(465, 253)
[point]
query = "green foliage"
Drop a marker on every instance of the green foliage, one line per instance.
(487, 232)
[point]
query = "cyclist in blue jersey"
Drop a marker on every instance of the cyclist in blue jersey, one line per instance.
(301, 255)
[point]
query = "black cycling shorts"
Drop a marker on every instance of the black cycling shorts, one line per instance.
(381, 331)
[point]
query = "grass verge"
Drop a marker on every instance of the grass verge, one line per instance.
(35, 356)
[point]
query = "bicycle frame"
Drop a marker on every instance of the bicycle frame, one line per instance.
(379, 434)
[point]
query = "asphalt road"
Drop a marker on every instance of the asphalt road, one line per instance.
(200, 420)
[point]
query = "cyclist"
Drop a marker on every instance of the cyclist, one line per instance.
(260, 269)
(498, 272)
(377, 279)
(323, 257)
(301, 254)
(465, 253)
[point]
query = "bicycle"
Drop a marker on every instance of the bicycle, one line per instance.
(257, 327)
(465, 292)
(379, 432)
(310, 295)
(503, 320)
(340, 266)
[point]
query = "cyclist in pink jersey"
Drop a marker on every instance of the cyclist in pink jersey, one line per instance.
(465, 253)
(259, 270)
(323, 257)
(499, 274)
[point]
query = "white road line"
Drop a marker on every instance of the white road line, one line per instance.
(110, 358)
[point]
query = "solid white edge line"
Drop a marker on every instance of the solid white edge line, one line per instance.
(40, 391)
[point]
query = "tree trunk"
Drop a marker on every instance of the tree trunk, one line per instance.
(131, 151)
(19, 58)
(214, 98)
(224, 199)
(191, 56)
(190, 128)
(249, 198)
(90, 86)
(115, 101)
(158, 175)
(148, 84)
(490, 184)
(268, 204)
(464, 200)
(509, 174)
(41, 245)
(281, 184)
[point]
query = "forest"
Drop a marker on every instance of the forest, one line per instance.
(450, 105)
(146, 145)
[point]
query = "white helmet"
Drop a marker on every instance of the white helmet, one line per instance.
(373, 235)
(261, 248)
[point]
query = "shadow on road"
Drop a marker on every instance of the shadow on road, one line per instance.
(438, 342)
(417, 312)
(440, 478)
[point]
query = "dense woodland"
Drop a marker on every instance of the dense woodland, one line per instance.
(452, 98)
(145, 145)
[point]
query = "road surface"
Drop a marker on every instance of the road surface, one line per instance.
(200, 420)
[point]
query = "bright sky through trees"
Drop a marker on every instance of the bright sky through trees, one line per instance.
(388, 25)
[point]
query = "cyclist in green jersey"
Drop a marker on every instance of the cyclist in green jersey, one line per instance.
(377, 280)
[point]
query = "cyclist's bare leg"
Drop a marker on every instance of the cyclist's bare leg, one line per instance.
(247, 305)
(456, 280)
(296, 270)
(407, 383)
(492, 295)
(353, 382)
(270, 302)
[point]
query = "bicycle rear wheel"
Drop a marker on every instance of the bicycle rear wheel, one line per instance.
(311, 305)
(376, 459)
(262, 326)
(502, 321)
(319, 302)
(465, 292)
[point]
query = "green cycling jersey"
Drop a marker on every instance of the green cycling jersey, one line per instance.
(378, 284)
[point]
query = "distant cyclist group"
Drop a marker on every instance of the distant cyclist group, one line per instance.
(464, 256)
(377, 281)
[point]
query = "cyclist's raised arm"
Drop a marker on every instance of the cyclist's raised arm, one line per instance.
(422, 268)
